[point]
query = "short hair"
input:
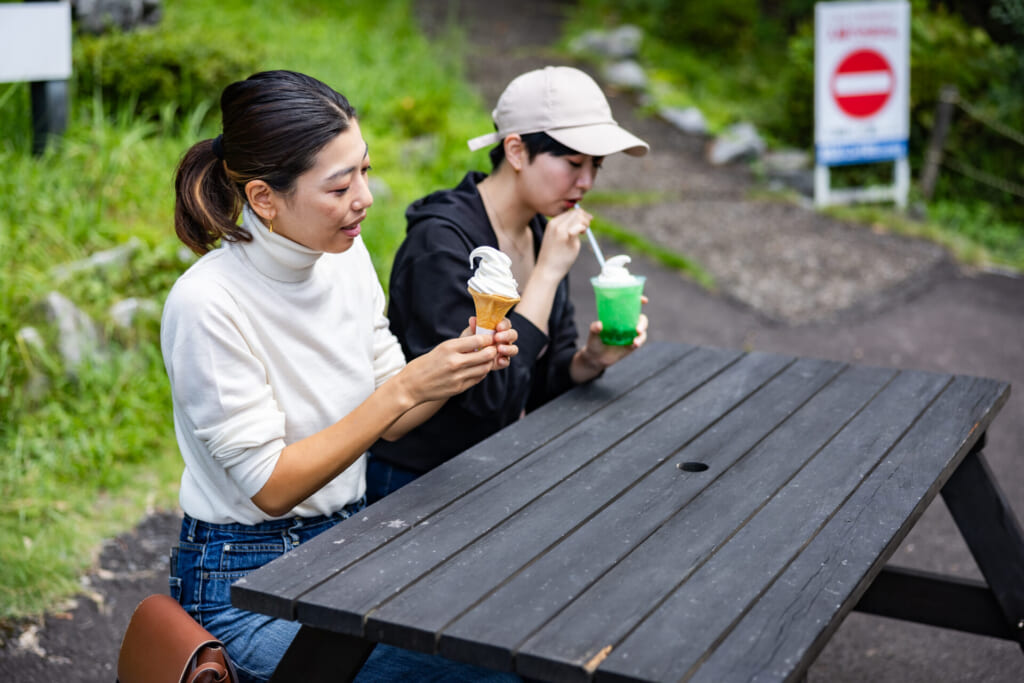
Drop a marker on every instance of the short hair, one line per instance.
(536, 143)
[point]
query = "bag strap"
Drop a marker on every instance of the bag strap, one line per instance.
(210, 672)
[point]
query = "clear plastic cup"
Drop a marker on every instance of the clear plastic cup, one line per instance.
(618, 309)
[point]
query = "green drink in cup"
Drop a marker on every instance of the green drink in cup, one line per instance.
(617, 294)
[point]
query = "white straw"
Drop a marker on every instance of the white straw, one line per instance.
(593, 244)
(597, 249)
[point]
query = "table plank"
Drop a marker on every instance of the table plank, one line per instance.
(468, 577)
(342, 602)
(718, 593)
(273, 589)
(793, 619)
(569, 646)
(520, 606)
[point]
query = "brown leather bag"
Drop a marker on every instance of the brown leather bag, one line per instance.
(164, 644)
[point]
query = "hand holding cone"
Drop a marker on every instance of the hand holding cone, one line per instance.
(490, 310)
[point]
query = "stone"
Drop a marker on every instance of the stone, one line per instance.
(625, 75)
(689, 120)
(789, 168)
(380, 189)
(786, 161)
(622, 42)
(118, 257)
(124, 312)
(100, 16)
(739, 141)
(78, 337)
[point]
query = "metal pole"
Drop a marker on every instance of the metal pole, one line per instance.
(49, 112)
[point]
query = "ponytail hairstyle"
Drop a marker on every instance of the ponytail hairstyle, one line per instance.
(275, 123)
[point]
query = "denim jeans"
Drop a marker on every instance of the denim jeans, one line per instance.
(210, 557)
(382, 478)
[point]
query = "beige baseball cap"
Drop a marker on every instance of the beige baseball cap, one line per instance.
(565, 103)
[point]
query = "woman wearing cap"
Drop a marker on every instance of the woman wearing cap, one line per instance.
(281, 365)
(553, 129)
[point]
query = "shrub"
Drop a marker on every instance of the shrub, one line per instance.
(696, 23)
(150, 69)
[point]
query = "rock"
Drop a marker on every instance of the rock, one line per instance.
(118, 257)
(785, 161)
(379, 188)
(38, 383)
(31, 338)
(790, 168)
(625, 75)
(124, 312)
(100, 16)
(78, 337)
(689, 120)
(740, 141)
(619, 43)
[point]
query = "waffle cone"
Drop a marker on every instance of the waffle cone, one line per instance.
(491, 308)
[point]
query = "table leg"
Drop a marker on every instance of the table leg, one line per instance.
(992, 533)
(320, 656)
(994, 607)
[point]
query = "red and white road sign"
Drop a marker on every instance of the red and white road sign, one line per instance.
(863, 82)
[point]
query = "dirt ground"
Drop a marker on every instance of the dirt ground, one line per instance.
(789, 280)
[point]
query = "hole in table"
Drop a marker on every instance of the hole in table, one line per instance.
(692, 466)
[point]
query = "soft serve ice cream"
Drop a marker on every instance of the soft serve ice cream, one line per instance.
(492, 286)
(617, 293)
(615, 272)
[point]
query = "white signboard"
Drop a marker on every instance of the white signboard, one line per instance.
(861, 81)
(35, 41)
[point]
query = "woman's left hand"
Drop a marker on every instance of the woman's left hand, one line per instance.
(606, 356)
(595, 356)
(504, 340)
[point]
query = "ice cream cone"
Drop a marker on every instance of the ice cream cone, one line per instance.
(490, 309)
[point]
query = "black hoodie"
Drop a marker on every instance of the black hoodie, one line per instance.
(429, 303)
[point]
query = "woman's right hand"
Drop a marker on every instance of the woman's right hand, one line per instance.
(450, 368)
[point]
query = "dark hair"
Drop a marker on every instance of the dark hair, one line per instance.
(536, 143)
(275, 123)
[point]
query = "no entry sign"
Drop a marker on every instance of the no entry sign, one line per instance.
(861, 64)
(863, 83)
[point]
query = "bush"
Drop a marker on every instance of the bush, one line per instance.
(150, 69)
(695, 23)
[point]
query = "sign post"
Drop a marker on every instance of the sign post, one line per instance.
(861, 95)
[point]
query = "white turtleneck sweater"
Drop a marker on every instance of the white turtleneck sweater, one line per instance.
(265, 343)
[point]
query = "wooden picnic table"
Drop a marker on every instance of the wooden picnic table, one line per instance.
(696, 513)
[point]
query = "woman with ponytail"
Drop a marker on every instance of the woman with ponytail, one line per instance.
(282, 368)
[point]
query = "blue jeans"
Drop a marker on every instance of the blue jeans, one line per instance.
(382, 478)
(210, 557)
